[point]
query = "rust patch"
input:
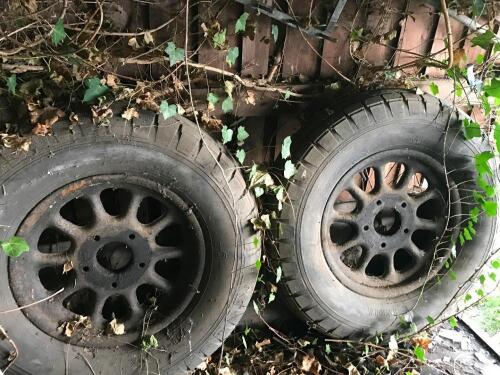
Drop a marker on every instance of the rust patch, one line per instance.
(74, 187)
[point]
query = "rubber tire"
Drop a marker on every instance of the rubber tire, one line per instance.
(333, 143)
(170, 152)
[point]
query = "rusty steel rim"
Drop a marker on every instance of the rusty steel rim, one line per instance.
(384, 229)
(122, 247)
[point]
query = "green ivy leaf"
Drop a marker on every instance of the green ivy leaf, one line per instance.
(14, 246)
(241, 23)
(452, 275)
(434, 88)
(419, 353)
(242, 135)
(453, 322)
(274, 32)
(174, 53)
(490, 208)
(241, 155)
(496, 135)
(219, 39)
(279, 273)
(480, 292)
(232, 55)
(12, 84)
(272, 297)
(480, 59)
(58, 33)
(227, 104)
(430, 320)
(471, 129)
(285, 147)
(95, 89)
(259, 191)
(474, 214)
(492, 276)
(483, 40)
(461, 239)
(478, 7)
(256, 242)
(167, 110)
(258, 264)
(288, 93)
(212, 98)
(493, 89)
(149, 343)
(495, 264)
(227, 134)
(482, 165)
(487, 188)
(467, 297)
(482, 279)
(467, 235)
(289, 169)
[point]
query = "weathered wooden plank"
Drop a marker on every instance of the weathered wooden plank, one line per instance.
(337, 53)
(298, 52)
(440, 43)
(161, 12)
(416, 33)
(255, 52)
(383, 20)
(226, 14)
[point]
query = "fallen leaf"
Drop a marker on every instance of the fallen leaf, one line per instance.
(115, 328)
(261, 344)
(381, 361)
(421, 340)
(352, 370)
(15, 142)
(310, 364)
(250, 98)
(111, 80)
(130, 113)
(101, 115)
(73, 117)
(148, 38)
(68, 266)
(83, 322)
(132, 42)
(44, 119)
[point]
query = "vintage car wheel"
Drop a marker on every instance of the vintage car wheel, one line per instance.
(137, 225)
(371, 220)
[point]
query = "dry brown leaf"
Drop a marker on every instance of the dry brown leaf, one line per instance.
(111, 80)
(15, 142)
(68, 266)
(73, 117)
(130, 113)
(261, 344)
(115, 328)
(352, 370)
(250, 98)
(44, 119)
(132, 42)
(459, 58)
(421, 340)
(148, 38)
(101, 115)
(209, 121)
(381, 361)
(310, 364)
(83, 322)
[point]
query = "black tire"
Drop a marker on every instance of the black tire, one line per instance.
(400, 122)
(171, 155)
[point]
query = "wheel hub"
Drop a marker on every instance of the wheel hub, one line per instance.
(118, 247)
(384, 224)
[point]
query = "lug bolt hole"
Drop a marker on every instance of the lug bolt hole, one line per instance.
(114, 285)
(379, 203)
(366, 227)
(142, 265)
(86, 269)
(406, 230)
(97, 238)
(131, 236)
(403, 204)
(382, 244)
